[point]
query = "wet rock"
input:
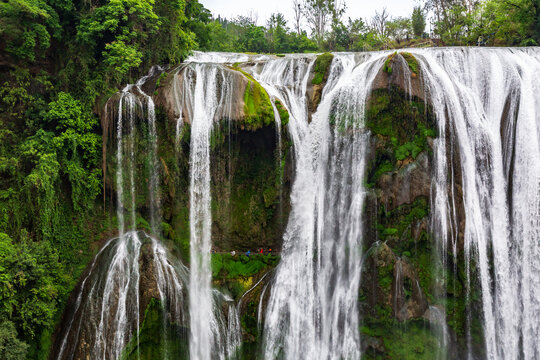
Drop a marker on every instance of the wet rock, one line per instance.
(392, 282)
(372, 344)
(397, 71)
(317, 81)
(405, 185)
(176, 88)
(148, 288)
(409, 301)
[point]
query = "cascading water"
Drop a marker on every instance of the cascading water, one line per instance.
(210, 103)
(313, 307)
(487, 106)
(485, 161)
(105, 320)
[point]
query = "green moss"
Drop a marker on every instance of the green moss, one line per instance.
(283, 113)
(162, 76)
(387, 68)
(249, 200)
(408, 341)
(411, 61)
(385, 271)
(258, 110)
(322, 65)
(249, 320)
(226, 266)
(236, 275)
(402, 126)
(390, 231)
(157, 337)
(399, 224)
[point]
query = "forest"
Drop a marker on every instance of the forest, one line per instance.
(60, 60)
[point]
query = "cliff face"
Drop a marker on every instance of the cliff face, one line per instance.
(251, 170)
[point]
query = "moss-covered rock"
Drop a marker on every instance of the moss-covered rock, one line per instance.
(251, 181)
(409, 272)
(407, 56)
(412, 62)
(413, 340)
(258, 110)
(158, 338)
(237, 274)
(319, 77)
(321, 68)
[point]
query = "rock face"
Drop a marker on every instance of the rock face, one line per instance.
(251, 170)
(410, 182)
(401, 70)
(174, 93)
(317, 80)
(397, 279)
(409, 301)
(393, 282)
(251, 183)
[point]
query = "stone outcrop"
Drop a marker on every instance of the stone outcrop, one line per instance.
(406, 184)
(401, 69)
(251, 176)
(317, 80)
(174, 90)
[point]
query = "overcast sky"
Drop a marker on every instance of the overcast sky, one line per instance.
(364, 9)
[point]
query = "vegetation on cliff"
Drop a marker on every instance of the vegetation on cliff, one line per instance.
(321, 67)
(59, 60)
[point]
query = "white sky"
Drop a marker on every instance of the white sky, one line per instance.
(364, 9)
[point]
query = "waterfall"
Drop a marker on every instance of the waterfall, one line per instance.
(104, 322)
(485, 211)
(487, 106)
(209, 102)
(313, 306)
(200, 295)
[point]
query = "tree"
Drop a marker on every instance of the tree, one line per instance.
(277, 31)
(11, 348)
(27, 26)
(399, 29)
(418, 21)
(378, 23)
(319, 14)
(298, 10)
(32, 281)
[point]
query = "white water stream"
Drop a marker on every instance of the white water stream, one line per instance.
(486, 157)
(487, 104)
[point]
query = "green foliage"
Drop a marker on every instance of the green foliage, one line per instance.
(11, 348)
(32, 280)
(322, 65)
(404, 125)
(232, 267)
(412, 342)
(27, 27)
(418, 21)
(492, 22)
(387, 68)
(283, 113)
(77, 148)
